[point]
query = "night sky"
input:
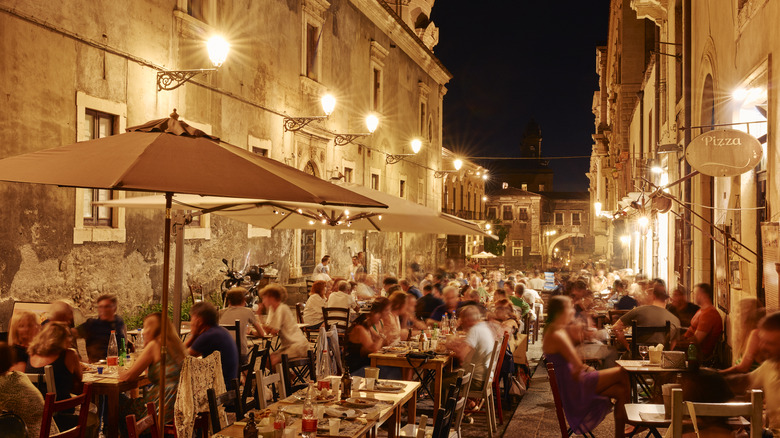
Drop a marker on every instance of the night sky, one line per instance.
(516, 60)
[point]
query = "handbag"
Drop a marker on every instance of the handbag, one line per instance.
(516, 387)
(672, 359)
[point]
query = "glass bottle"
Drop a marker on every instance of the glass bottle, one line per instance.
(112, 355)
(346, 383)
(250, 430)
(693, 357)
(122, 353)
(309, 420)
(280, 422)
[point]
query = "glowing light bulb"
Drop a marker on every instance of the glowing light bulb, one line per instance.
(458, 163)
(328, 104)
(371, 123)
(218, 50)
(643, 221)
(380, 217)
(346, 212)
(311, 222)
(300, 211)
(487, 226)
(416, 145)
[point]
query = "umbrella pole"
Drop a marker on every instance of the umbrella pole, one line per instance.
(164, 322)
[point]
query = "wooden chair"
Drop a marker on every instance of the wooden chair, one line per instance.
(310, 332)
(614, 315)
(460, 405)
(497, 379)
(236, 328)
(231, 397)
(12, 425)
(44, 382)
(752, 410)
(51, 406)
(485, 395)
(298, 372)
(277, 393)
(248, 369)
(641, 332)
(565, 429)
(299, 308)
(149, 422)
(442, 426)
(338, 316)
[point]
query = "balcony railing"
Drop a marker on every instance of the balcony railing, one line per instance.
(465, 214)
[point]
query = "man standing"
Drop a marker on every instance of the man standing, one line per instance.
(322, 270)
(237, 310)
(652, 315)
(356, 268)
(206, 337)
(681, 308)
(706, 326)
(409, 288)
(97, 331)
(429, 301)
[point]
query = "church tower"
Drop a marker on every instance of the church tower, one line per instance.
(531, 145)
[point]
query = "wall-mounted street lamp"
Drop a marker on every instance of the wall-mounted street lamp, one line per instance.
(457, 163)
(328, 103)
(416, 146)
(218, 50)
(372, 122)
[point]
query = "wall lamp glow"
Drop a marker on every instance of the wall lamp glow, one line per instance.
(328, 103)
(218, 50)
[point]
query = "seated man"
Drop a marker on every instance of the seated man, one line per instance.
(449, 307)
(341, 298)
(237, 310)
(681, 308)
(97, 331)
(626, 301)
(767, 376)
(365, 288)
(206, 337)
(410, 288)
(428, 303)
(476, 347)
(387, 283)
(518, 301)
(706, 326)
(651, 315)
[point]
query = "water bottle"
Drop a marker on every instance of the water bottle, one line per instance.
(122, 358)
(280, 422)
(326, 371)
(693, 357)
(309, 421)
(112, 356)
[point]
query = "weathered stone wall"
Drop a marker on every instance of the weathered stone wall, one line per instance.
(109, 51)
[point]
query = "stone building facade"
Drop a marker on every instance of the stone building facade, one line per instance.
(463, 195)
(710, 68)
(78, 70)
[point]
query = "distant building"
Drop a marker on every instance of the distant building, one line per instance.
(531, 173)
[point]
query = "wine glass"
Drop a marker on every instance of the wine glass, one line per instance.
(643, 351)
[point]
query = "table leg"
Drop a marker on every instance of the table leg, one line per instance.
(373, 362)
(111, 426)
(411, 409)
(394, 423)
(437, 390)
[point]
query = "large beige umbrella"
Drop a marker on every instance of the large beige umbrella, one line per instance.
(169, 156)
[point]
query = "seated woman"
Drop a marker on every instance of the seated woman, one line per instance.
(52, 347)
(18, 395)
(750, 355)
(366, 336)
(504, 316)
(151, 361)
(24, 327)
(391, 322)
(408, 317)
(281, 322)
(585, 393)
(312, 314)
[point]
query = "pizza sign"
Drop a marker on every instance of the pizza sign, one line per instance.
(724, 153)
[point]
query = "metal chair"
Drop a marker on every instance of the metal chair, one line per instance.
(51, 406)
(148, 423)
(231, 397)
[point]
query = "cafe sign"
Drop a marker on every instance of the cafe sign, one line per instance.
(724, 153)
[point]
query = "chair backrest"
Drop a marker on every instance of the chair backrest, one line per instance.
(500, 354)
(44, 382)
(51, 406)
(149, 422)
(263, 382)
(299, 308)
(614, 315)
(752, 410)
(236, 328)
(336, 315)
(557, 399)
(191, 395)
(231, 397)
(334, 344)
(640, 332)
(12, 425)
(460, 404)
(302, 370)
(249, 369)
(445, 417)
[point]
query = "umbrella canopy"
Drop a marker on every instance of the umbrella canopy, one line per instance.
(483, 255)
(167, 155)
(400, 216)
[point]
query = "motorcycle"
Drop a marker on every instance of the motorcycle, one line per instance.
(237, 278)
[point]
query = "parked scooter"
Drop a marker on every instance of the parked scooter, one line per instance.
(249, 281)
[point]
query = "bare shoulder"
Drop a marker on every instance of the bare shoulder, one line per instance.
(553, 341)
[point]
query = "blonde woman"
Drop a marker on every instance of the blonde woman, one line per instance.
(151, 361)
(24, 327)
(52, 347)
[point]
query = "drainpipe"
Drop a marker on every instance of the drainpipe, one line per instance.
(687, 96)
(657, 133)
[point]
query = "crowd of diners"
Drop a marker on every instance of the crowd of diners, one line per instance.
(573, 341)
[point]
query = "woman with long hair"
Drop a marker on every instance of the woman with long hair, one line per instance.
(392, 320)
(51, 346)
(24, 327)
(585, 392)
(366, 335)
(312, 314)
(151, 361)
(750, 356)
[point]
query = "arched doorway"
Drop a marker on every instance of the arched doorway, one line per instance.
(309, 237)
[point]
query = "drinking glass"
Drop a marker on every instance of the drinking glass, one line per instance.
(643, 351)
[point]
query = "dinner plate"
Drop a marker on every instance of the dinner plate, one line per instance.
(296, 410)
(360, 402)
(339, 412)
(384, 385)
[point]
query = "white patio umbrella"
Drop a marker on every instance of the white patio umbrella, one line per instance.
(483, 255)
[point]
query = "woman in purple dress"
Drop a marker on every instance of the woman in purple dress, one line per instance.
(585, 393)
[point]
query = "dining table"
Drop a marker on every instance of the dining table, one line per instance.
(396, 357)
(386, 409)
(640, 371)
(109, 386)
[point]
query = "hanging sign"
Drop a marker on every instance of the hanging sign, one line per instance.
(725, 152)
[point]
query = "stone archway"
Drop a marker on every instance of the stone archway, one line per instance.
(562, 237)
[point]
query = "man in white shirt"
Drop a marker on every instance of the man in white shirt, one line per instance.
(365, 288)
(237, 310)
(476, 348)
(342, 298)
(322, 270)
(356, 268)
(537, 283)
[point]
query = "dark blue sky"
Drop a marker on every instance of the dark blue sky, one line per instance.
(517, 60)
